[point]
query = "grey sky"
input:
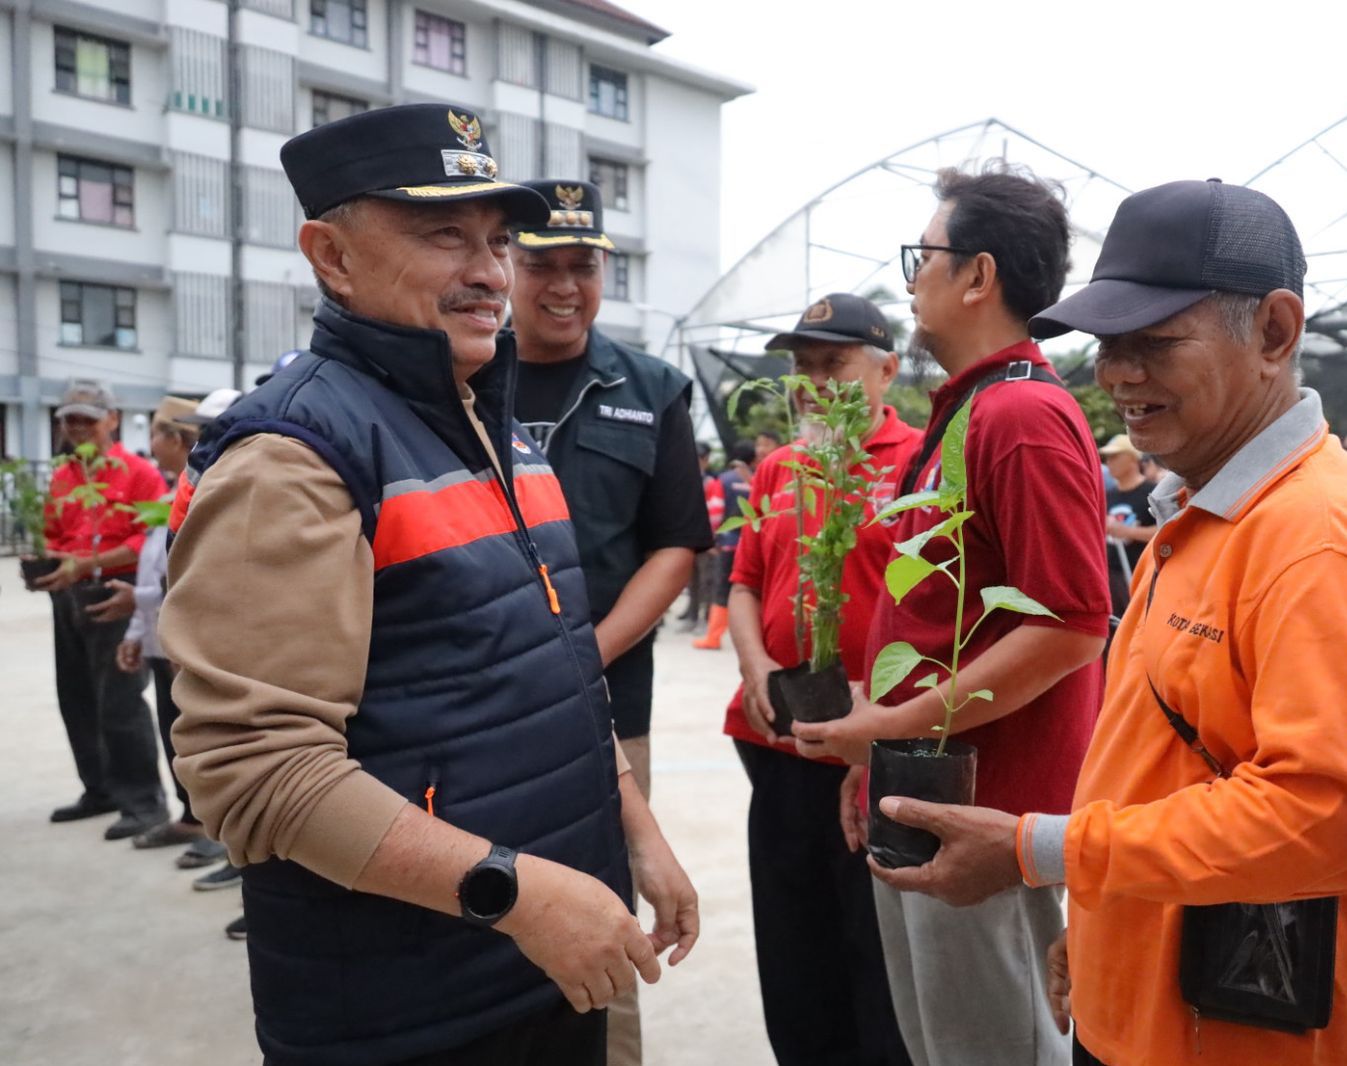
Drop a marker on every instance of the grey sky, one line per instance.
(1143, 92)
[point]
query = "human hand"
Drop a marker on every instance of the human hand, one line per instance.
(855, 827)
(846, 738)
(1115, 528)
(72, 570)
(129, 660)
(1059, 984)
(757, 704)
(574, 928)
(120, 605)
(663, 883)
(976, 859)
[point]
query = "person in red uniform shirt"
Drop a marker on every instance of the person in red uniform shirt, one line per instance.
(969, 985)
(824, 990)
(107, 720)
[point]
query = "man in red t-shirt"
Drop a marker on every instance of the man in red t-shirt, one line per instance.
(824, 991)
(970, 985)
(107, 721)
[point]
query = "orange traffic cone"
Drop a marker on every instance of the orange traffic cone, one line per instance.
(716, 625)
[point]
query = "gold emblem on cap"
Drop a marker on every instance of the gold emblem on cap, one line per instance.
(570, 197)
(469, 130)
(572, 219)
(877, 332)
(819, 312)
(467, 164)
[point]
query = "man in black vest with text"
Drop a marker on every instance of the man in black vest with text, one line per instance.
(614, 424)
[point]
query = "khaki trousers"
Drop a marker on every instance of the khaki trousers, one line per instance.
(624, 1013)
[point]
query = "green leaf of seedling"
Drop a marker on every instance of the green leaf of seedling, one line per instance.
(731, 524)
(929, 681)
(910, 502)
(746, 508)
(904, 574)
(1011, 599)
(892, 665)
(914, 545)
(953, 471)
(811, 502)
(981, 694)
(937, 729)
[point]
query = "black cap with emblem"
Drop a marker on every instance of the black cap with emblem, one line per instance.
(838, 318)
(417, 153)
(575, 216)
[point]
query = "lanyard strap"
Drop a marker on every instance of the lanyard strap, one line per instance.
(1180, 724)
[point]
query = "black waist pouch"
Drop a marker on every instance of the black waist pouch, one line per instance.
(1268, 965)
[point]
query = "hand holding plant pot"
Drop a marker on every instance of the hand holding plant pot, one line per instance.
(28, 504)
(830, 479)
(936, 770)
(88, 493)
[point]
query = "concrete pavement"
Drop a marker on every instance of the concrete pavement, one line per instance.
(108, 958)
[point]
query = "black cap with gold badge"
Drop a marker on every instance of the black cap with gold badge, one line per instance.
(576, 216)
(417, 153)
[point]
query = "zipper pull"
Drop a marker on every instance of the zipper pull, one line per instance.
(552, 601)
(1197, 1029)
(432, 779)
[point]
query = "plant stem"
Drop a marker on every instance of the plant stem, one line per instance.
(954, 657)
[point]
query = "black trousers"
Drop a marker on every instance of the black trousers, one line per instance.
(1081, 1057)
(825, 992)
(167, 712)
(107, 720)
(554, 1037)
(720, 590)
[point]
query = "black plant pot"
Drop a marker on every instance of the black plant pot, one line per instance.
(32, 569)
(88, 593)
(910, 768)
(798, 695)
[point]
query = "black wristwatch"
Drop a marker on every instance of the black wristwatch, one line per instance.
(489, 889)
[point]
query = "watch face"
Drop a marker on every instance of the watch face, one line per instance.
(488, 892)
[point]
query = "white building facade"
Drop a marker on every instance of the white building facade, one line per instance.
(135, 187)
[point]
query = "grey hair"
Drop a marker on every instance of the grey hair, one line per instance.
(1236, 312)
(878, 354)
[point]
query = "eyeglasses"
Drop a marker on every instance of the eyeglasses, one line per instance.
(912, 261)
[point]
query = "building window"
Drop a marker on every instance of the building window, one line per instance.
(441, 43)
(328, 107)
(94, 192)
(611, 178)
(93, 66)
(98, 315)
(608, 93)
(339, 20)
(617, 277)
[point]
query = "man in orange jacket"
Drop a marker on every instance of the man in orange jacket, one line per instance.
(1237, 611)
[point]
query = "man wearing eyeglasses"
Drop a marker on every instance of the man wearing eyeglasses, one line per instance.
(969, 986)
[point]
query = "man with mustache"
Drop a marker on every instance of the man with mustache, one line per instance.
(392, 701)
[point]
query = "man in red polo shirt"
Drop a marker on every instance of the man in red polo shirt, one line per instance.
(820, 964)
(107, 721)
(969, 985)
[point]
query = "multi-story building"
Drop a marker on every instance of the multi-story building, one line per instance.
(147, 229)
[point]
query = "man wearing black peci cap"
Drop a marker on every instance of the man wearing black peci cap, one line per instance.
(1235, 623)
(614, 424)
(392, 703)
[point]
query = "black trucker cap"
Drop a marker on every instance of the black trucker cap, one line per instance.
(1173, 245)
(840, 318)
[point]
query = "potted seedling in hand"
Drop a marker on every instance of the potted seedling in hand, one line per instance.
(830, 479)
(89, 493)
(939, 769)
(28, 504)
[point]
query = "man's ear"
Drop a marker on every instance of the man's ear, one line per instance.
(1278, 326)
(324, 246)
(982, 280)
(889, 369)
